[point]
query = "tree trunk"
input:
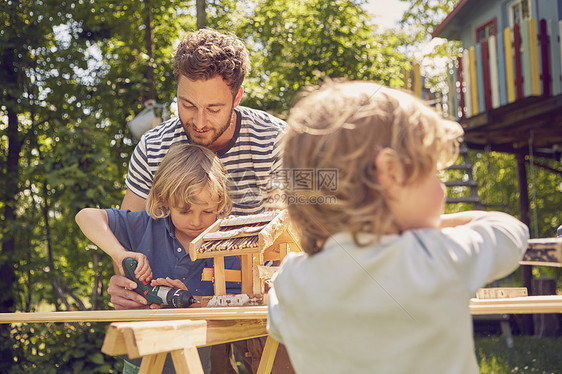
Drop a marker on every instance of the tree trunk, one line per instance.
(201, 9)
(8, 195)
(148, 38)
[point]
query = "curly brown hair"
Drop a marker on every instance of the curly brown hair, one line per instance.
(206, 53)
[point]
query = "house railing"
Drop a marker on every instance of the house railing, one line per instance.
(519, 62)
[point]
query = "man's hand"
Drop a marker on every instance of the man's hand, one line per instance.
(169, 282)
(173, 283)
(123, 295)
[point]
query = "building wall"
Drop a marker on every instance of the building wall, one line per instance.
(487, 10)
(484, 12)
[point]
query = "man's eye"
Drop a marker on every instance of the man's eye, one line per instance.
(188, 106)
(209, 212)
(214, 111)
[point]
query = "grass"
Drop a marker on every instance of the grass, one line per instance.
(529, 355)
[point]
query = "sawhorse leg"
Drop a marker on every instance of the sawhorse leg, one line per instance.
(268, 355)
(187, 361)
(152, 363)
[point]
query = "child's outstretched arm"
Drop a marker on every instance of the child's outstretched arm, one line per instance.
(460, 218)
(93, 223)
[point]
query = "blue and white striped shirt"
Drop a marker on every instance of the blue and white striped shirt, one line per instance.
(250, 159)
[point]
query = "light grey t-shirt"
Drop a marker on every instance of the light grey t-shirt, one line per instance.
(399, 306)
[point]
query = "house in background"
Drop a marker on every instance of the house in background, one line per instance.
(505, 89)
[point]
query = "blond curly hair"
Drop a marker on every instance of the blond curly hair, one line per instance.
(343, 126)
(184, 172)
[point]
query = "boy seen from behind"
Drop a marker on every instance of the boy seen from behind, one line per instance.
(385, 282)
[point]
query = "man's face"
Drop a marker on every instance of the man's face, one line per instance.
(205, 109)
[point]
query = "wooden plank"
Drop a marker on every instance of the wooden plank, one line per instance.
(406, 75)
(193, 313)
(509, 68)
(543, 252)
(460, 73)
(247, 276)
(220, 277)
(417, 83)
(249, 220)
(230, 275)
(268, 356)
(257, 283)
(473, 82)
(467, 82)
(493, 67)
(451, 81)
(152, 364)
(534, 57)
(517, 305)
(187, 361)
(546, 77)
(230, 252)
(114, 342)
(273, 253)
(273, 230)
(454, 93)
(555, 55)
(152, 337)
(500, 67)
(480, 78)
(219, 332)
(518, 68)
(283, 250)
(196, 243)
(486, 84)
(501, 292)
(526, 58)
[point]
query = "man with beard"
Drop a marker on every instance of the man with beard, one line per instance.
(209, 68)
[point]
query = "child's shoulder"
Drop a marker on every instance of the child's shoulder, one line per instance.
(131, 218)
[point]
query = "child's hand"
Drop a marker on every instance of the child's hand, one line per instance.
(169, 282)
(143, 271)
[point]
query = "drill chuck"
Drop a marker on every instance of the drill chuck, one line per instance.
(173, 297)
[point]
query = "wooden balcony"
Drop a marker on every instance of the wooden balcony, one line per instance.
(507, 91)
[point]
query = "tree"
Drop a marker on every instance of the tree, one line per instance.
(301, 43)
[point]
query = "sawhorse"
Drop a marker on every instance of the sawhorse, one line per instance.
(153, 340)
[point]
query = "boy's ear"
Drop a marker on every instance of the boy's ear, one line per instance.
(390, 172)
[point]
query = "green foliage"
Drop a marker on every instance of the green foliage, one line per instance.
(44, 348)
(301, 43)
(529, 355)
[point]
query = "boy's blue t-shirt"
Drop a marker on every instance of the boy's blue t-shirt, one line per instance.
(155, 238)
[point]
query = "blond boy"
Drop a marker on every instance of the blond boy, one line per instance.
(189, 192)
(386, 279)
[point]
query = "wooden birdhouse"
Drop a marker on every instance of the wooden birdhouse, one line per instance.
(255, 239)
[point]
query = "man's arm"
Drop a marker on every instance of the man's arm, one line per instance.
(132, 201)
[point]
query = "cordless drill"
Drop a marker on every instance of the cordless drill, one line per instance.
(173, 297)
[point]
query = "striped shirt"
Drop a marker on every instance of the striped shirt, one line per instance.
(250, 159)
